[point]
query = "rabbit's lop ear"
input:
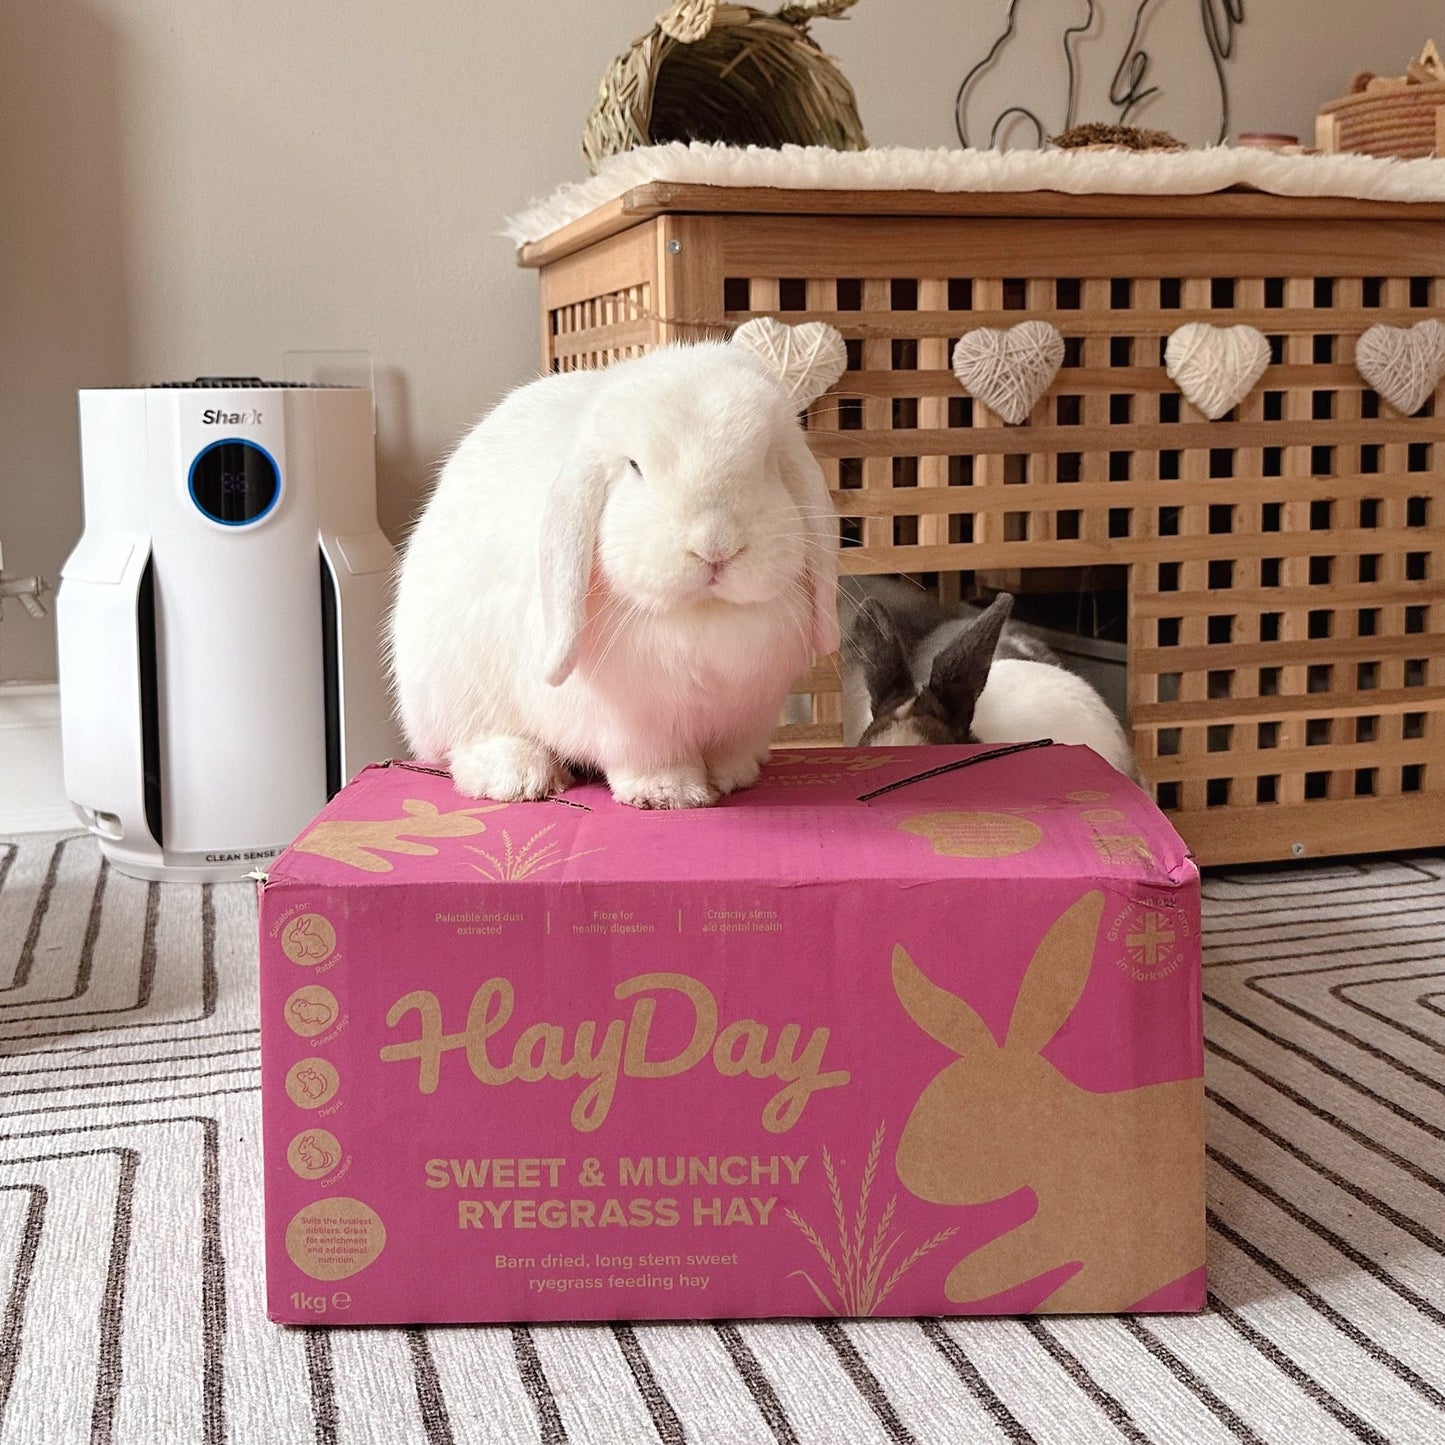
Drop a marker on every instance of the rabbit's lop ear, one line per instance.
(1056, 976)
(940, 1014)
(571, 518)
(804, 480)
(804, 360)
(884, 657)
(960, 671)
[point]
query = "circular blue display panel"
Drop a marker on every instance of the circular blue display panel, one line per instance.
(235, 482)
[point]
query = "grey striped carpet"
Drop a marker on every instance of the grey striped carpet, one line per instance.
(130, 1218)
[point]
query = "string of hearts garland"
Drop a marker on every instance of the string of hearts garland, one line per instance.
(1214, 367)
(1009, 370)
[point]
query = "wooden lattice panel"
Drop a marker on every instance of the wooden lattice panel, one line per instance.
(601, 329)
(1285, 563)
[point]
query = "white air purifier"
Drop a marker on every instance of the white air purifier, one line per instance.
(220, 620)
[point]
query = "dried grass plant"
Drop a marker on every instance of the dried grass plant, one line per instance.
(856, 1264)
(517, 862)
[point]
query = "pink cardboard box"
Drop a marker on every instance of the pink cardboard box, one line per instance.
(830, 1047)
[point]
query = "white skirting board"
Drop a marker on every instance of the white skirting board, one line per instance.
(32, 793)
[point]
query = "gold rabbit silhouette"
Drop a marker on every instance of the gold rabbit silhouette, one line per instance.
(1117, 1176)
(360, 844)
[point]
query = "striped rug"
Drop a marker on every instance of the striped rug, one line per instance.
(130, 1218)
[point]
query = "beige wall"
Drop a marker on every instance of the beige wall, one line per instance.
(193, 186)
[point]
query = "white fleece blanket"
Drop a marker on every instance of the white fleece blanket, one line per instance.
(897, 168)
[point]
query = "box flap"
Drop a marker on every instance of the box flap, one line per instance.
(816, 815)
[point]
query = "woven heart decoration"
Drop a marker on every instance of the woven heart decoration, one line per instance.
(805, 360)
(1215, 367)
(1404, 364)
(1008, 371)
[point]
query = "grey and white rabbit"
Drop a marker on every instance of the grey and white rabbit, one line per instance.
(916, 673)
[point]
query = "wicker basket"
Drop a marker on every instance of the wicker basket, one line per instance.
(714, 72)
(1402, 123)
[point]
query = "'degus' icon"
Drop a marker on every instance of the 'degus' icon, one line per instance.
(312, 1083)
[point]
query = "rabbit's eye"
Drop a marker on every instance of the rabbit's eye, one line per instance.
(631, 463)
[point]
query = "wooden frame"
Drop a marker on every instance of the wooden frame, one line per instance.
(1285, 563)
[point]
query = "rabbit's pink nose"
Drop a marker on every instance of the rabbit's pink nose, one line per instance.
(717, 555)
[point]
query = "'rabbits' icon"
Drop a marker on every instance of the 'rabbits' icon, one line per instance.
(304, 941)
(1117, 1175)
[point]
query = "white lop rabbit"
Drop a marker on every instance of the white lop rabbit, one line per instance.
(927, 677)
(623, 571)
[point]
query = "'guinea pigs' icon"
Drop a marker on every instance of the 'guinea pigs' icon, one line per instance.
(311, 1009)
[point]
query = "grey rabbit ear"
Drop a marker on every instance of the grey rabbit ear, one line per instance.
(571, 518)
(960, 671)
(883, 655)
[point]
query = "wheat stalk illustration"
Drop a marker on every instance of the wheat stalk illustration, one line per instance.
(517, 862)
(856, 1268)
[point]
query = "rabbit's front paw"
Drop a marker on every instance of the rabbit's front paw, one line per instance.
(682, 787)
(734, 771)
(507, 769)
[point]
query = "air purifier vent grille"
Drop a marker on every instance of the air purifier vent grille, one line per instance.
(150, 707)
(331, 677)
(247, 383)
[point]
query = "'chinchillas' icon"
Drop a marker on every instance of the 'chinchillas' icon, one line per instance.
(314, 1154)
(974, 1137)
